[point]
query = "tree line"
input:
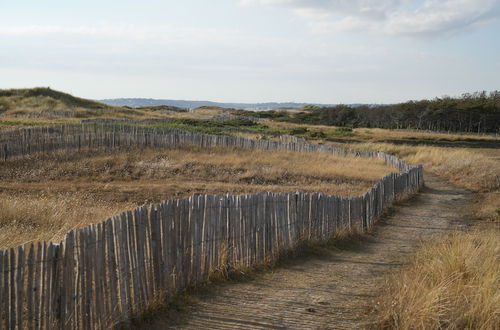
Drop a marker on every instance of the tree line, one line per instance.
(477, 112)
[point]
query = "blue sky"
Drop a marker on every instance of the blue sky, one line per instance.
(327, 51)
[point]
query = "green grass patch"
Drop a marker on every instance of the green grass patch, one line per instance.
(341, 132)
(319, 134)
(21, 123)
(228, 127)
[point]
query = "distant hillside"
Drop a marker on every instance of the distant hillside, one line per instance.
(141, 102)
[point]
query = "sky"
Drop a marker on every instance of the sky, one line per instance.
(316, 51)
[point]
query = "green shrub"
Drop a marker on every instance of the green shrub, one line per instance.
(298, 131)
(318, 135)
(341, 131)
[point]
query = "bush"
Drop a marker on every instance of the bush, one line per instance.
(4, 106)
(318, 135)
(240, 122)
(298, 131)
(342, 131)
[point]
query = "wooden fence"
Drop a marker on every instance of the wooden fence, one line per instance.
(103, 274)
(22, 142)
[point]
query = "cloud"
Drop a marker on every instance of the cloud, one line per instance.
(393, 17)
(443, 17)
(117, 31)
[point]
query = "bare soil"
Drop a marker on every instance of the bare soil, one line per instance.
(332, 290)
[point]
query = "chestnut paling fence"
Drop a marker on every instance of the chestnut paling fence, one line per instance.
(103, 274)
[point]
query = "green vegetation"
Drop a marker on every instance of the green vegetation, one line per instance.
(4, 105)
(159, 108)
(271, 114)
(229, 127)
(319, 134)
(341, 131)
(221, 128)
(478, 112)
(21, 123)
(298, 131)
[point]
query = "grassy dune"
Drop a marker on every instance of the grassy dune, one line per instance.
(44, 196)
(24, 101)
(45, 104)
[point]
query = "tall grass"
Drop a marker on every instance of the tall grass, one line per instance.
(477, 170)
(48, 217)
(43, 196)
(453, 283)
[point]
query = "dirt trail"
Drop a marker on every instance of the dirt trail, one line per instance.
(333, 291)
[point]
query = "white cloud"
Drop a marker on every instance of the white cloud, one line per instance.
(368, 8)
(395, 17)
(156, 34)
(346, 24)
(438, 17)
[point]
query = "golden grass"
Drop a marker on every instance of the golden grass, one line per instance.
(474, 169)
(43, 196)
(48, 217)
(8, 123)
(19, 105)
(453, 283)
(379, 133)
(21, 115)
(32, 106)
(487, 206)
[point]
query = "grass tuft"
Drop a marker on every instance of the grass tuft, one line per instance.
(453, 283)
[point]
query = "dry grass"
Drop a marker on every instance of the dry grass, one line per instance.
(487, 206)
(477, 170)
(474, 169)
(20, 103)
(43, 196)
(48, 217)
(453, 283)
(38, 106)
(379, 133)
(9, 123)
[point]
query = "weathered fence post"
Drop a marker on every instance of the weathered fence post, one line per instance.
(100, 274)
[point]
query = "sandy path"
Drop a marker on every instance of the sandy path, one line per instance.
(332, 291)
